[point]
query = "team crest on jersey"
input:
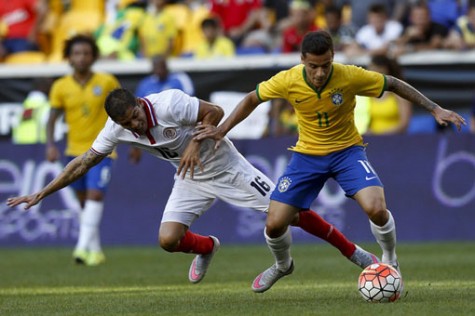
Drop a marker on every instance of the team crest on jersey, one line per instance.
(97, 90)
(169, 132)
(284, 184)
(337, 97)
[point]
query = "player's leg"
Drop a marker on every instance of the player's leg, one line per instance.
(97, 180)
(368, 191)
(296, 190)
(383, 227)
(90, 224)
(252, 185)
(245, 186)
(188, 201)
(279, 239)
(314, 224)
(81, 251)
(175, 237)
(277, 232)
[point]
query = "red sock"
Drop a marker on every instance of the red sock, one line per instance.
(314, 224)
(194, 243)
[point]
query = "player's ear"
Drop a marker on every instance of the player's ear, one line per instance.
(138, 102)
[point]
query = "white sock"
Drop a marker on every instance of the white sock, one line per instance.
(280, 248)
(81, 244)
(89, 238)
(386, 238)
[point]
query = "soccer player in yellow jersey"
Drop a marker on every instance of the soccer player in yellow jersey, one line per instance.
(80, 97)
(158, 31)
(214, 44)
(323, 95)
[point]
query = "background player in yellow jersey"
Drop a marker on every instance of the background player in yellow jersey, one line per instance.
(80, 97)
(158, 31)
(329, 146)
(388, 114)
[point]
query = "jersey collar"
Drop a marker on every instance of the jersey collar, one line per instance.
(318, 91)
(151, 119)
(149, 112)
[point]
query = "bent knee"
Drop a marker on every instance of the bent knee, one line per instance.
(376, 210)
(380, 217)
(276, 226)
(275, 229)
(168, 242)
(374, 205)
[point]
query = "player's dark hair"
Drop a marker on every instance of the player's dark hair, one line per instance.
(210, 22)
(117, 103)
(80, 38)
(378, 9)
(332, 9)
(317, 43)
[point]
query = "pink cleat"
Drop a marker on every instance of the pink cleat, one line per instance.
(200, 264)
(266, 279)
(363, 258)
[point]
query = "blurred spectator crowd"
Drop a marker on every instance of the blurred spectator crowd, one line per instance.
(35, 30)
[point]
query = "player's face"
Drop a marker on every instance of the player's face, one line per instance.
(81, 57)
(318, 67)
(135, 120)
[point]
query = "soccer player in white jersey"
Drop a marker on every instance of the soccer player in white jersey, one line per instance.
(164, 124)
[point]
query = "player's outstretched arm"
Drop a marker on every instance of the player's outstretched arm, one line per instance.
(408, 92)
(73, 170)
(241, 111)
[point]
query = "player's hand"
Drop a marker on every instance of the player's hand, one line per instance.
(208, 131)
(444, 117)
(190, 159)
(30, 200)
(52, 153)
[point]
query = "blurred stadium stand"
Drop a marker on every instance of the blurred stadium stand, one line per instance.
(446, 77)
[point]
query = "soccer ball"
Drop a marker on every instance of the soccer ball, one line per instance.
(380, 283)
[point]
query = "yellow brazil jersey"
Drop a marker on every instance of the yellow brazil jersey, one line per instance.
(383, 113)
(325, 116)
(222, 47)
(83, 108)
(156, 32)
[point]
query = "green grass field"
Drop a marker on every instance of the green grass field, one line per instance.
(439, 280)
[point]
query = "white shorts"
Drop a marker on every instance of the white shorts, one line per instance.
(243, 186)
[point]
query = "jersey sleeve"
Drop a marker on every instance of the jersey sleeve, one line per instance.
(367, 83)
(55, 98)
(183, 108)
(106, 141)
(274, 88)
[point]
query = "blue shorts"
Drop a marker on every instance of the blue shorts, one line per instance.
(97, 178)
(306, 174)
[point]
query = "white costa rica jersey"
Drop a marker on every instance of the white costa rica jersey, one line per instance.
(172, 116)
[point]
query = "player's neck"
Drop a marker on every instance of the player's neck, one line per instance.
(82, 77)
